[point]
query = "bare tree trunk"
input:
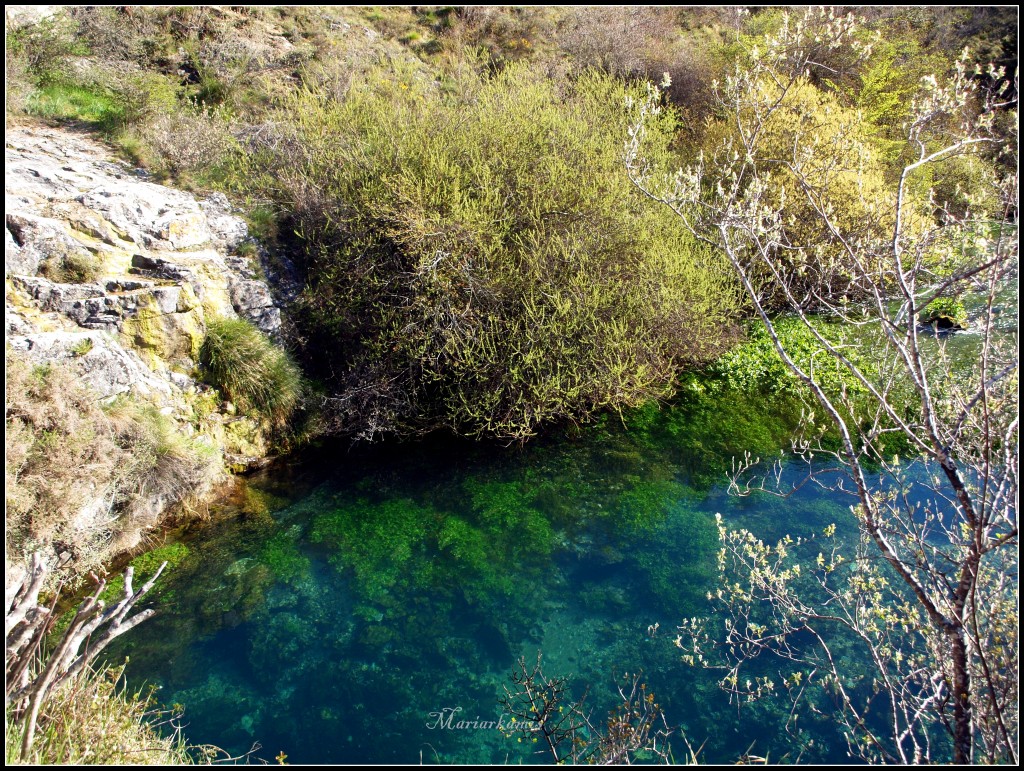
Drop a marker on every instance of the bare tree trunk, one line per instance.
(27, 624)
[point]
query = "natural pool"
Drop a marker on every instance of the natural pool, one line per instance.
(341, 598)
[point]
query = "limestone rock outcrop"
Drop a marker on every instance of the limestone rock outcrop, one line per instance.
(117, 277)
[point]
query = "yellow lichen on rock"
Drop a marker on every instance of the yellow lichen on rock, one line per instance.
(161, 337)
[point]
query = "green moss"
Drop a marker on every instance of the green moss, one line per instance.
(256, 501)
(244, 436)
(467, 544)
(677, 559)
(644, 507)
(147, 564)
(375, 541)
(161, 337)
(281, 554)
(397, 546)
(512, 524)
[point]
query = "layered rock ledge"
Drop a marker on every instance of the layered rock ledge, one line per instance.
(117, 276)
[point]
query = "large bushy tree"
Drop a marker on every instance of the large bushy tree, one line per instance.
(478, 260)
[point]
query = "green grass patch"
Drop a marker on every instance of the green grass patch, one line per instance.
(63, 101)
(250, 370)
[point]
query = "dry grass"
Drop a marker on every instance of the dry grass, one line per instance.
(188, 141)
(96, 720)
(61, 450)
(64, 450)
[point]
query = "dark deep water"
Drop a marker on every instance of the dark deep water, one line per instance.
(343, 598)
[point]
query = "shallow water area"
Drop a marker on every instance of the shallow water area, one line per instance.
(368, 606)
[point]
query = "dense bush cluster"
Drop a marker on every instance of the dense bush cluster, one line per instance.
(477, 258)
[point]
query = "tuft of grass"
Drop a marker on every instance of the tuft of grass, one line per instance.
(262, 220)
(72, 266)
(97, 720)
(250, 370)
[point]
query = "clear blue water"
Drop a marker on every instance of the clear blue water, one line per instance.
(338, 600)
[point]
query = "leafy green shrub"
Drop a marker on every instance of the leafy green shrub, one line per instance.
(144, 96)
(755, 366)
(250, 370)
(46, 46)
(507, 33)
(111, 34)
(844, 175)
(945, 313)
(478, 259)
(622, 40)
(754, 369)
(17, 80)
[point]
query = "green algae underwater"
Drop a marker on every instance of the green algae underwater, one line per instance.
(346, 602)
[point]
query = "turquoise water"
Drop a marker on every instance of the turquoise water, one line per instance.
(343, 605)
(343, 602)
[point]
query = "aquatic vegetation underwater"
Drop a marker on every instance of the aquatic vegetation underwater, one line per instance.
(329, 614)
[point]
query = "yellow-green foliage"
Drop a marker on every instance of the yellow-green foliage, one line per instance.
(820, 156)
(478, 258)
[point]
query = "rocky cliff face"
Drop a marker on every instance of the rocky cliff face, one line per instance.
(116, 276)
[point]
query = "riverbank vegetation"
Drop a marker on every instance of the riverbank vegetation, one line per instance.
(472, 197)
(450, 181)
(925, 594)
(61, 445)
